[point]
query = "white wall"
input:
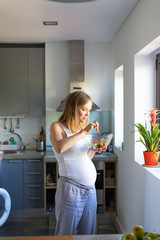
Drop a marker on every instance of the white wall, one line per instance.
(138, 190)
(98, 80)
(29, 127)
(97, 73)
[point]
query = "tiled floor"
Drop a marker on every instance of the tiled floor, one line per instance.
(40, 227)
(26, 227)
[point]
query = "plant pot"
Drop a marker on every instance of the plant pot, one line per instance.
(150, 158)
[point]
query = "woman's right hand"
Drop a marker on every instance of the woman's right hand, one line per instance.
(92, 125)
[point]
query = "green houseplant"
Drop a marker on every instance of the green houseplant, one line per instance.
(150, 137)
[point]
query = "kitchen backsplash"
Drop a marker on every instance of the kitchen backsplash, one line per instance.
(102, 117)
(29, 127)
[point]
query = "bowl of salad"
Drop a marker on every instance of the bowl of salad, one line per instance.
(100, 141)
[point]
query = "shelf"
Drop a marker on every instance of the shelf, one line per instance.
(51, 187)
(50, 177)
(109, 211)
(110, 187)
(13, 117)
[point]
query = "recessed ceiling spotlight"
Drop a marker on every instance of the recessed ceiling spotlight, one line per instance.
(71, 1)
(50, 23)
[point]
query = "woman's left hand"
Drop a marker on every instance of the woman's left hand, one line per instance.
(92, 151)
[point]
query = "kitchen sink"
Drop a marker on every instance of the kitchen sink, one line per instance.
(11, 151)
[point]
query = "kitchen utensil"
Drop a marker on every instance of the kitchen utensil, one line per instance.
(40, 146)
(35, 139)
(5, 125)
(99, 133)
(11, 126)
(11, 139)
(18, 125)
(5, 143)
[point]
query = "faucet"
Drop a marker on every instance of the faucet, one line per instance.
(23, 145)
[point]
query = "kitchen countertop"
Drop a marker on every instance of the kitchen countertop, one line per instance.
(105, 156)
(84, 237)
(49, 156)
(98, 237)
(25, 154)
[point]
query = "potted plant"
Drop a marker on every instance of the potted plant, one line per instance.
(150, 137)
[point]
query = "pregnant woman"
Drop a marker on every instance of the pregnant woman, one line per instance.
(75, 199)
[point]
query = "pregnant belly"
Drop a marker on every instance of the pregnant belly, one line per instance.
(82, 171)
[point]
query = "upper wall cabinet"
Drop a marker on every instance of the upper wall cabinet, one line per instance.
(36, 75)
(14, 81)
(22, 81)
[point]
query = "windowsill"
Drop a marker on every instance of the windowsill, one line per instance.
(154, 170)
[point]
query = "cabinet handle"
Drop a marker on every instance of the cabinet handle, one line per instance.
(34, 198)
(14, 161)
(34, 160)
(34, 186)
(34, 173)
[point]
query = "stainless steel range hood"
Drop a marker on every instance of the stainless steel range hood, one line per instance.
(76, 51)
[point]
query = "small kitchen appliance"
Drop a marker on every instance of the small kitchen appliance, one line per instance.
(6, 202)
(40, 145)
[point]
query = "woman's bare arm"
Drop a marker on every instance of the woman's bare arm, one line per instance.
(61, 142)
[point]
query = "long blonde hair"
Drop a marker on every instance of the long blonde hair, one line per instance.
(70, 114)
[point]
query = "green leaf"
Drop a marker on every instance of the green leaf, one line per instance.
(150, 139)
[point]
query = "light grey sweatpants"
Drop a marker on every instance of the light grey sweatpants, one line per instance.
(75, 208)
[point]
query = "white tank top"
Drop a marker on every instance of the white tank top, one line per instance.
(75, 164)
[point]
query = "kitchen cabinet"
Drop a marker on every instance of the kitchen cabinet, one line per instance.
(110, 187)
(36, 76)
(33, 183)
(50, 185)
(22, 81)
(14, 81)
(12, 181)
(24, 181)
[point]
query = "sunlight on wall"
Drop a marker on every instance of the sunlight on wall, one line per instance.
(119, 107)
(145, 90)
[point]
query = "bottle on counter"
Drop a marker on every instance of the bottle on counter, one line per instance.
(110, 147)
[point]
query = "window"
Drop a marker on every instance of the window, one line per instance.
(119, 107)
(144, 89)
(158, 82)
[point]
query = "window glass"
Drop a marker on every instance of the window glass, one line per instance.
(119, 107)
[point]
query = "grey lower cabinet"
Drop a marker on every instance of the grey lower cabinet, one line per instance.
(12, 181)
(24, 181)
(33, 183)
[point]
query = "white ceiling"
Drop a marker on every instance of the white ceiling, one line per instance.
(99, 20)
